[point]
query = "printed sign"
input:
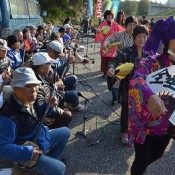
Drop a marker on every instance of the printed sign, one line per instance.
(162, 80)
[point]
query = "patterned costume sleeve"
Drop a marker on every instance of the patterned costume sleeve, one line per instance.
(139, 93)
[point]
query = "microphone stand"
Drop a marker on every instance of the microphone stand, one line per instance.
(73, 64)
(87, 43)
(83, 132)
(89, 141)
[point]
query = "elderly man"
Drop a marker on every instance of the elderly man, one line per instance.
(41, 64)
(21, 121)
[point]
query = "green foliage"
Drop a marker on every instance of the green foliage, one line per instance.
(58, 10)
(129, 7)
(143, 7)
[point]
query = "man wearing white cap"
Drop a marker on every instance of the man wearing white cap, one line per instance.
(41, 66)
(55, 51)
(21, 121)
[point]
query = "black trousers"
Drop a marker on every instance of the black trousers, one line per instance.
(123, 100)
(150, 151)
(124, 117)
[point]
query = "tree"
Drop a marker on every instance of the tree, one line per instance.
(129, 7)
(143, 7)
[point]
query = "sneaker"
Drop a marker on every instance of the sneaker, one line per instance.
(79, 107)
(124, 138)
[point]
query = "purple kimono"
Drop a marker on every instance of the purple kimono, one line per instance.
(141, 122)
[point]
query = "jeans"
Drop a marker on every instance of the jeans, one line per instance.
(72, 98)
(114, 92)
(70, 82)
(48, 164)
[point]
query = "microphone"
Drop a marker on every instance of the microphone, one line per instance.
(81, 95)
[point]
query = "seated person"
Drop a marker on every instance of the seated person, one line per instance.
(14, 52)
(67, 40)
(41, 64)
(28, 46)
(55, 51)
(21, 121)
(19, 35)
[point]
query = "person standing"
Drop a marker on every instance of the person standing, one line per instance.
(105, 29)
(149, 113)
(122, 39)
(132, 54)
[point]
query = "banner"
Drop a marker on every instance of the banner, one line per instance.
(101, 7)
(90, 8)
(98, 11)
(113, 5)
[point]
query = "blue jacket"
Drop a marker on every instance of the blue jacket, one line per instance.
(16, 58)
(17, 125)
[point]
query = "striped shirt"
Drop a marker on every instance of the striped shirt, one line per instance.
(121, 37)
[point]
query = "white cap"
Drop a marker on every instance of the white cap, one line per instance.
(42, 58)
(56, 46)
(23, 76)
(66, 26)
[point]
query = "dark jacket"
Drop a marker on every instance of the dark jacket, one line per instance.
(45, 92)
(17, 125)
(127, 54)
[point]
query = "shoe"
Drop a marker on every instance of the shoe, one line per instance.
(79, 107)
(124, 138)
(63, 160)
(113, 102)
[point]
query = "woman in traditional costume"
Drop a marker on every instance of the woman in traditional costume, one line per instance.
(105, 29)
(149, 113)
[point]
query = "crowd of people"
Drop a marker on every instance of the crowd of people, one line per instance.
(130, 50)
(38, 95)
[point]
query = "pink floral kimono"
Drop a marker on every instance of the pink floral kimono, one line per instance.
(105, 30)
